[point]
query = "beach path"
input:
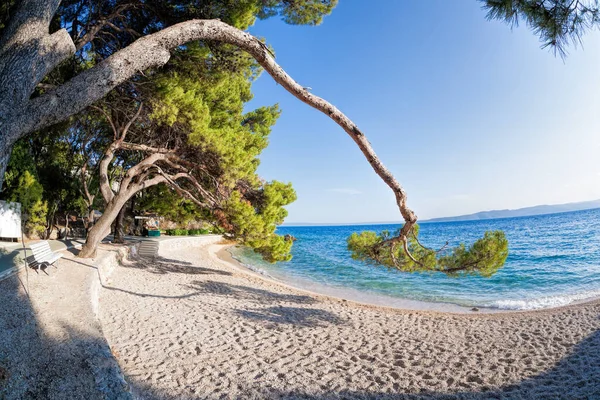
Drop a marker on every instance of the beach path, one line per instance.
(51, 343)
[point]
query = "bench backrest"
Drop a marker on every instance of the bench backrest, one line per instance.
(41, 250)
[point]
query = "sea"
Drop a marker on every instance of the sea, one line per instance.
(553, 260)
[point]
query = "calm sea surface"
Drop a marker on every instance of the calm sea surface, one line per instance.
(553, 260)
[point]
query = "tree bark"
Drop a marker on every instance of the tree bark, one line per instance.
(28, 52)
(119, 235)
(101, 228)
(90, 218)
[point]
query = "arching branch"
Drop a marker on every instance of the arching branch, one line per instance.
(144, 148)
(425, 247)
(171, 181)
(153, 51)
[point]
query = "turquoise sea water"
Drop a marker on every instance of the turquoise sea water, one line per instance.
(553, 260)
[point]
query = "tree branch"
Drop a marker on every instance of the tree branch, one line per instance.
(153, 51)
(182, 192)
(105, 189)
(144, 148)
(31, 18)
(140, 168)
(92, 31)
(131, 121)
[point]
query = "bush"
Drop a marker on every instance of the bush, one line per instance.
(198, 232)
(34, 208)
(177, 232)
(185, 232)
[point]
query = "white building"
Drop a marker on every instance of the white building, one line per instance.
(10, 220)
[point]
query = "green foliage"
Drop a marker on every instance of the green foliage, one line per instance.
(557, 22)
(484, 257)
(209, 105)
(298, 12)
(177, 232)
(21, 161)
(200, 96)
(165, 202)
(44, 164)
(184, 232)
(254, 223)
(29, 192)
(198, 232)
(36, 221)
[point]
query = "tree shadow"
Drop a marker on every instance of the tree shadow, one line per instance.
(9, 260)
(157, 296)
(65, 361)
(303, 317)
(37, 364)
(162, 266)
(240, 292)
(70, 243)
(73, 250)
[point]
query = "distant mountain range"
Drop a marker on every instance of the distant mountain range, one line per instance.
(522, 212)
(493, 214)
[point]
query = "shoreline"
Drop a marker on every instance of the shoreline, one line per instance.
(377, 300)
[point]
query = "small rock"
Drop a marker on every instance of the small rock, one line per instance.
(474, 309)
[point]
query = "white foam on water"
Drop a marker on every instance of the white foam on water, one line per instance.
(542, 302)
(249, 266)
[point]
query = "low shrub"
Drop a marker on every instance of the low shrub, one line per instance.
(185, 232)
(198, 232)
(177, 232)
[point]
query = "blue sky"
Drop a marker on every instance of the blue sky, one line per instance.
(468, 114)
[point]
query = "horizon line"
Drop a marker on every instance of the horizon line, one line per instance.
(434, 220)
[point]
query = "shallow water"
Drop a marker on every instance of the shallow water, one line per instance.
(553, 260)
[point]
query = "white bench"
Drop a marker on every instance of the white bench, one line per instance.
(43, 256)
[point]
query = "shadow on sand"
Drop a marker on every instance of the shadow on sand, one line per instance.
(249, 293)
(68, 363)
(37, 365)
(160, 265)
(301, 317)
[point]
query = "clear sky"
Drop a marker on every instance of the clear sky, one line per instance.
(467, 114)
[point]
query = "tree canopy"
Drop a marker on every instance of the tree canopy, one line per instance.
(484, 257)
(190, 134)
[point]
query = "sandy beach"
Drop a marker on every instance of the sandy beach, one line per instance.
(193, 326)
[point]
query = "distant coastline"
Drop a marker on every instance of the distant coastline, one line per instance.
(482, 215)
(522, 212)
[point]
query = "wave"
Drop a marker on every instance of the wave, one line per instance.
(542, 302)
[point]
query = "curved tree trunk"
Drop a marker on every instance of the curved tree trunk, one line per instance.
(66, 227)
(101, 228)
(90, 219)
(118, 229)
